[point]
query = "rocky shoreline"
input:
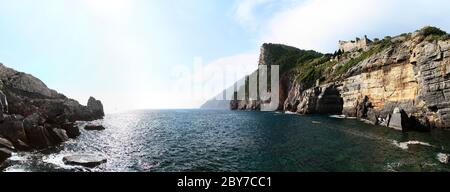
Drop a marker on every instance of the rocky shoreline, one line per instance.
(34, 117)
(402, 82)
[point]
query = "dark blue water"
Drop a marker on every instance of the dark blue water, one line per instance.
(198, 140)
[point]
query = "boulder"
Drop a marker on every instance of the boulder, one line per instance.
(71, 129)
(84, 160)
(399, 119)
(38, 137)
(12, 129)
(59, 135)
(96, 107)
(92, 127)
(4, 154)
(4, 143)
(373, 117)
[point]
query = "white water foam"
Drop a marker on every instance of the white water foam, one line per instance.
(338, 116)
(443, 158)
(18, 157)
(57, 159)
(15, 169)
(405, 145)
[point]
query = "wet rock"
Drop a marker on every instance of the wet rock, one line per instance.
(71, 129)
(4, 143)
(4, 154)
(84, 160)
(398, 119)
(59, 135)
(92, 127)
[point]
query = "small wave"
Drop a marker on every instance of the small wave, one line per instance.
(405, 145)
(338, 116)
(15, 169)
(393, 167)
(290, 113)
(18, 157)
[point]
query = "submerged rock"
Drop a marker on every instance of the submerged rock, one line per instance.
(84, 160)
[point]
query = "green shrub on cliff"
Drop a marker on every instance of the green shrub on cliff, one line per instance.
(429, 30)
(354, 61)
(314, 70)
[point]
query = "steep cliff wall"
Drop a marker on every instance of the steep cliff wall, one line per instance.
(408, 74)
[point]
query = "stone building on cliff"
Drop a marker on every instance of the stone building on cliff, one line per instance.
(354, 45)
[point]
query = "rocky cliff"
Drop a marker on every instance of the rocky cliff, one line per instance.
(32, 116)
(402, 82)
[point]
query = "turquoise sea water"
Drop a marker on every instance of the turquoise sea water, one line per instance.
(213, 140)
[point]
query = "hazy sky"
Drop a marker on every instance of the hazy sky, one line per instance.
(138, 54)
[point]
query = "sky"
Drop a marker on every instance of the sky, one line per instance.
(158, 54)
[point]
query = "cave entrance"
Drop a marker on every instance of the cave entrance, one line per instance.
(330, 102)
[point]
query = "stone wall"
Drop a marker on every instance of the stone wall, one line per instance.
(350, 46)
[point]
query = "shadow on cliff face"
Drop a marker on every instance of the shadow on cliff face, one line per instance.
(330, 102)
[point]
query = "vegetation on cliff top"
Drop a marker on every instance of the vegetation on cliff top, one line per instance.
(433, 33)
(288, 57)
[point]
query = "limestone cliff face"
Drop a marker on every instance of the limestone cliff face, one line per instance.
(409, 73)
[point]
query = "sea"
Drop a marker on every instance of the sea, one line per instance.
(242, 141)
